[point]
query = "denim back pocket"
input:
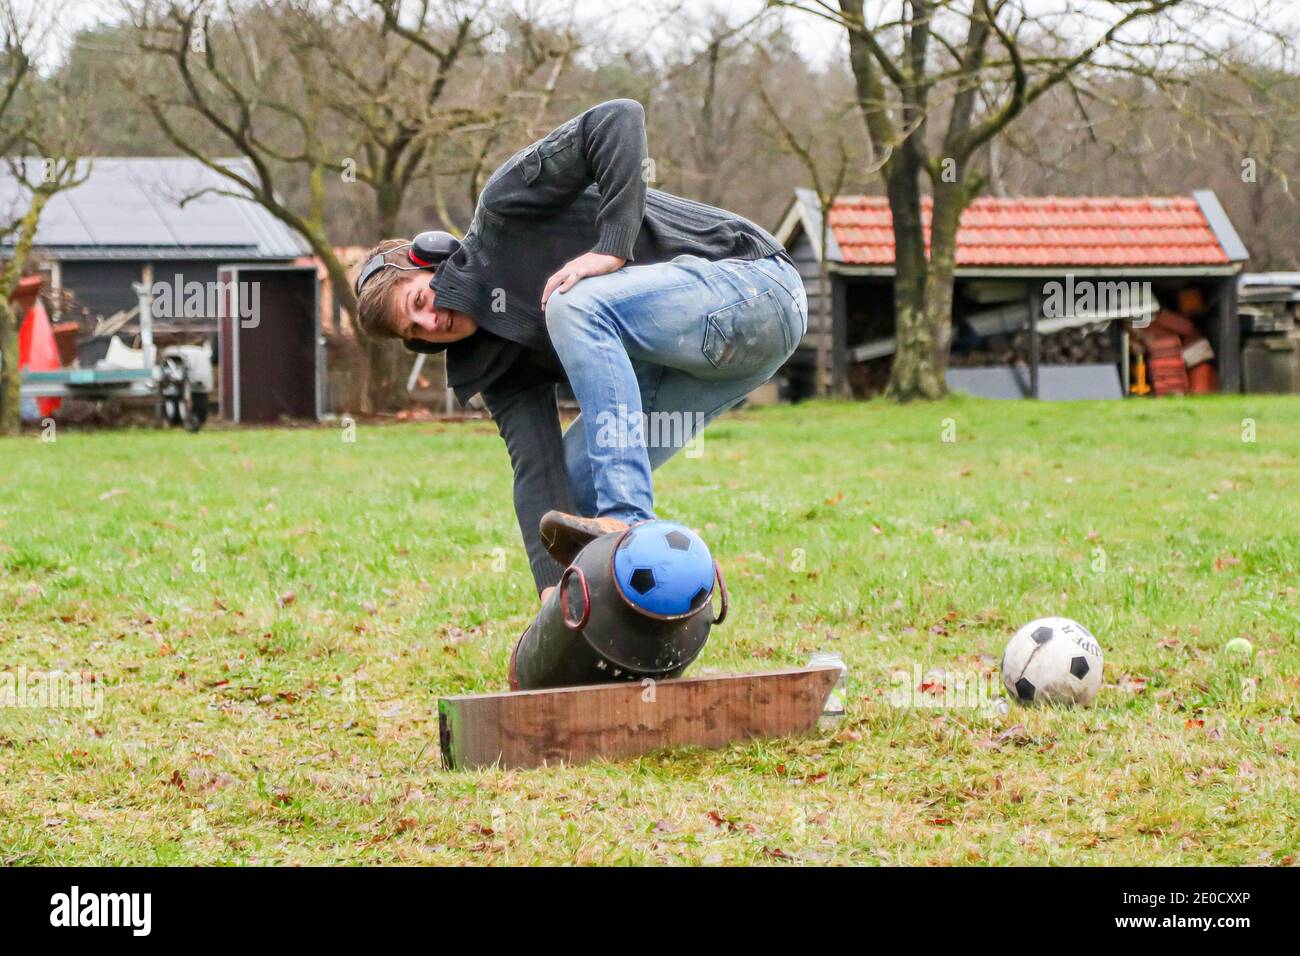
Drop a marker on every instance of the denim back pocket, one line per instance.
(748, 337)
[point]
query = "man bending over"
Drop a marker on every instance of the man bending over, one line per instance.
(649, 304)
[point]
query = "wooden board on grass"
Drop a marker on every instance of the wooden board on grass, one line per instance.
(575, 724)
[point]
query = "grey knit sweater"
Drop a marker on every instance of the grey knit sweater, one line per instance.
(583, 188)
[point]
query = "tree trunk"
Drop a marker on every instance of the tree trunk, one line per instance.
(924, 331)
(949, 201)
(912, 374)
(902, 171)
(389, 363)
(10, 377)
(822, 374)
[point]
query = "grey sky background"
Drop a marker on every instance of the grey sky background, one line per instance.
(655, 26)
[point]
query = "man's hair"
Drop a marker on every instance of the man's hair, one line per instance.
(375, 304)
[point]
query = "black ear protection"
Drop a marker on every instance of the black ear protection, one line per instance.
(428, 250)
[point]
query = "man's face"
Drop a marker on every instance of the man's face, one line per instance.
(415, 316)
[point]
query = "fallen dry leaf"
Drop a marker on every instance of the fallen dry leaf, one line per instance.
(1132, 684)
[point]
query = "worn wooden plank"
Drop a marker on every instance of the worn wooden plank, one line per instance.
(576, 724)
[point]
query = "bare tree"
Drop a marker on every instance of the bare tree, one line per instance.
(303, 91)
(515, 93)
(40, 136)
(827, 184)
(311, 91)
(706, 98)
(975, 66)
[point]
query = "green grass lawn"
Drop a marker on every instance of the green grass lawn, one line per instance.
(272, 615)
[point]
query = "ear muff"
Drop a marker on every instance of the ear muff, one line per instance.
(426, 251)
(430, 248)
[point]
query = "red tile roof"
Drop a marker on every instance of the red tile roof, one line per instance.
(1045, 231)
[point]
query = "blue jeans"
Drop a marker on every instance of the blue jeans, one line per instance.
(654, 353)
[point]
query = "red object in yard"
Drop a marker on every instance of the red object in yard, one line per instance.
(1202, 379)
(1167, 371)
(65, 336)
(1173, 323)
(38, 352)
(29, 287)
(1169, 376)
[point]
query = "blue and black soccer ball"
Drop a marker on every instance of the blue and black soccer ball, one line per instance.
(663, 567)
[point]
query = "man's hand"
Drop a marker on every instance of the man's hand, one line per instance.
(587, 264)
(546, 592)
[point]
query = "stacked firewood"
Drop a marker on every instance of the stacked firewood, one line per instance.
(869, 379)
(1081, 345)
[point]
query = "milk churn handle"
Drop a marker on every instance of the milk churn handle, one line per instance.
(722, 588)
(579, 624)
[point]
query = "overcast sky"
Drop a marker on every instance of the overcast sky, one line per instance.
(653, 25)
(629, 24)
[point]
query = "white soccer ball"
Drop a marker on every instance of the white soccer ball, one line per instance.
(1052, 661)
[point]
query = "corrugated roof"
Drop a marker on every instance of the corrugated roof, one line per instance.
(1052, 231)
(158, 208)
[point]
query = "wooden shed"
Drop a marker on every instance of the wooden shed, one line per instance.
(1114, 262)
(182, 230)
